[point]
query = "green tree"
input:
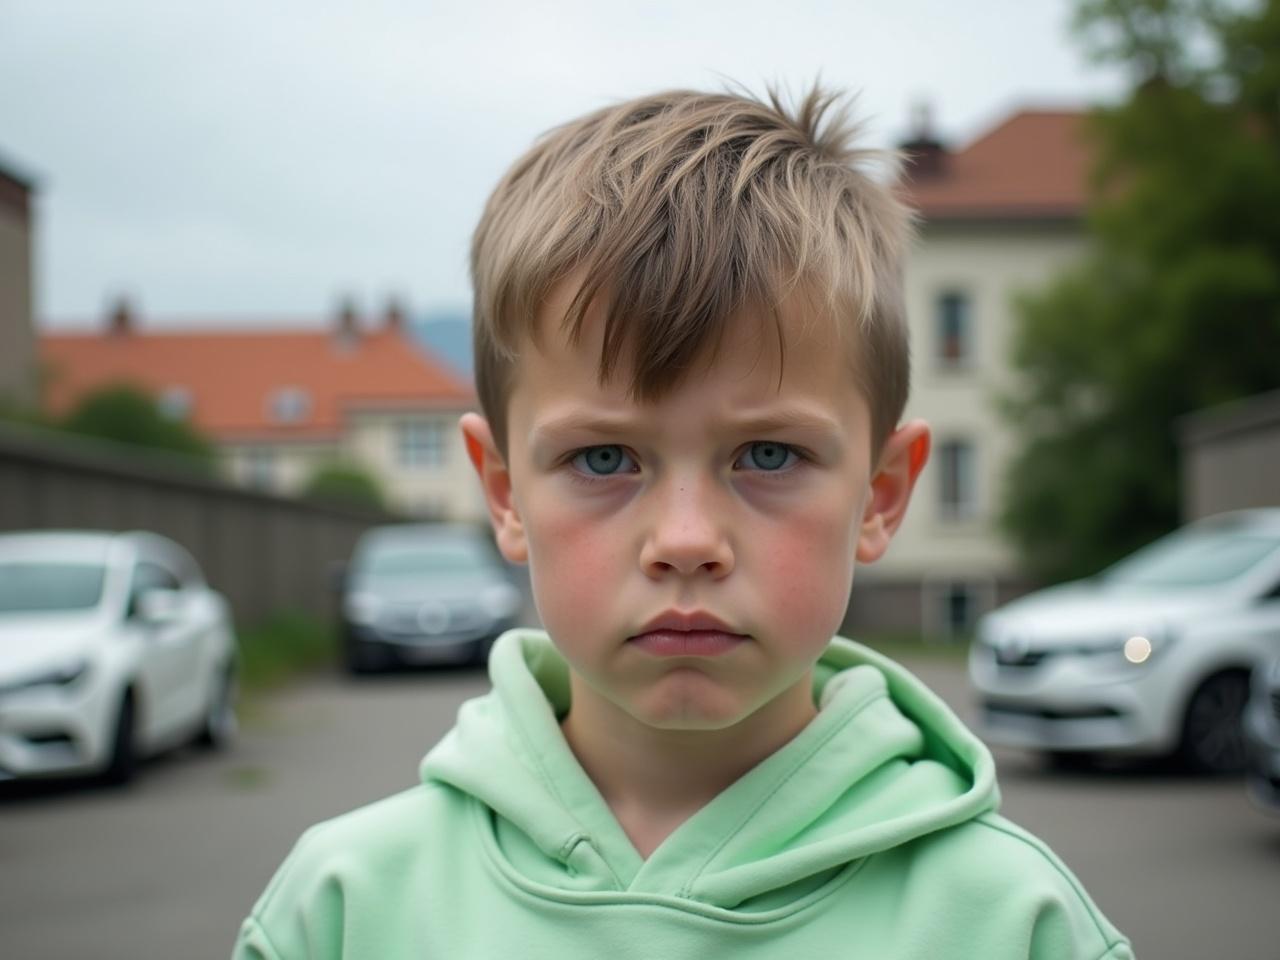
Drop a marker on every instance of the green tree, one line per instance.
(1177, 305)
(345, 483)
(127, 414)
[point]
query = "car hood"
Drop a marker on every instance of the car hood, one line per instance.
(1089, 609)
(31, 643)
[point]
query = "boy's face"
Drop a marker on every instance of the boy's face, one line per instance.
(737, 495)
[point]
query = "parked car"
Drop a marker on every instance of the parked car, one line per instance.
(1151, 656)
(1262, 733)
(112, 648)
(424, 594)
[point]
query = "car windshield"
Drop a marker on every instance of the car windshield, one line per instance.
(1196, 557)
(425, 560)
(29, 586)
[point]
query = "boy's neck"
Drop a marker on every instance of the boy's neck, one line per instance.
(653, 780)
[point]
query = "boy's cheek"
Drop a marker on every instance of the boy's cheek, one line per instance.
(574, 565)
(807, 569)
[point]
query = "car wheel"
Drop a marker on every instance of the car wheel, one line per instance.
(1071, 761)
(123, 765)
(1213, 725)
(480, 656)
(219, 727)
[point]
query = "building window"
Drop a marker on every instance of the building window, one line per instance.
(957, 483)
(175, 403)
(421, 443)
(954, 329)
(290, 405)
(260, 468)
(952, 607)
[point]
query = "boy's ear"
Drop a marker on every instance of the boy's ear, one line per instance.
(901, 461)
(495, 481)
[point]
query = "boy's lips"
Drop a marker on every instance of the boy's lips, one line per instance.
(693, 634)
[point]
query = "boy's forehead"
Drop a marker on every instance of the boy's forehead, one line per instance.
(760, 361)
(790, 341)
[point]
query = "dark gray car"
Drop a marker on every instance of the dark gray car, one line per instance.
(424, 594)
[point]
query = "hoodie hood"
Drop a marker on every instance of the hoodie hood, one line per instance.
(885, 762)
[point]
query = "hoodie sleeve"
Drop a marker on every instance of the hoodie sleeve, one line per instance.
(300, 914)
(253, 943)
(1065, 923)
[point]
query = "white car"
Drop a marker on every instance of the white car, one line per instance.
(112, 648)
(1151, 656)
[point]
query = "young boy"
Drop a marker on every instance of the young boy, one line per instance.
(692, 360)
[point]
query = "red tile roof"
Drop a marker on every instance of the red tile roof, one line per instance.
(232, 376)
(1034, 165)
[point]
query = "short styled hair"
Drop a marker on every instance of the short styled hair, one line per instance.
(680, 210)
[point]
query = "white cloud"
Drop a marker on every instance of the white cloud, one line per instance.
(257, 158)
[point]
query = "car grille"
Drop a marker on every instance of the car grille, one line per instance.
(1016, 657)
(418, 619)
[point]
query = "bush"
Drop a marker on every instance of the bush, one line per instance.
(345, 483)
(126, 414)
(286, 644)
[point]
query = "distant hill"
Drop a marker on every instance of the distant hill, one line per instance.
(447, 335)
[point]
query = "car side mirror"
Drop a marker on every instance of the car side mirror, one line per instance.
(160, 606)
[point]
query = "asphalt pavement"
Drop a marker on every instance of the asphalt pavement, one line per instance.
(168, 868)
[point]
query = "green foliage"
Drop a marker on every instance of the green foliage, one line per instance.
(126, 414)
(345, 483)
(1177, 307)
(281, 647)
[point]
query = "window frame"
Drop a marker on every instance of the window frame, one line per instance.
(964, 336)
(421, 444)
(967, 502)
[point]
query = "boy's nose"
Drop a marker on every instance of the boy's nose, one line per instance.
(686, 536)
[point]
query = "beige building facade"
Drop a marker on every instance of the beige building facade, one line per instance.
(999, 218)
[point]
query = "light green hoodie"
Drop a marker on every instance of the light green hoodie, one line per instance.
(871, 834)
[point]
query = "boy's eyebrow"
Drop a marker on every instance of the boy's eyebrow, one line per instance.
(781, 419)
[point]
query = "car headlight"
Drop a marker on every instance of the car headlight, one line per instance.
(500, 601)
(362, 607)
(1138, 648)
(62, 676)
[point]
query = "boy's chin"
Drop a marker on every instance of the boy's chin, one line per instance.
(698, 711)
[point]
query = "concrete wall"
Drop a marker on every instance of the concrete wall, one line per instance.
(265, 553)
(18, 383)
(1231, 457)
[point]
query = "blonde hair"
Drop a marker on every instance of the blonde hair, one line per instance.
(679, 210)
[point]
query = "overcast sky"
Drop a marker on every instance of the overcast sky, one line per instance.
(234, 162)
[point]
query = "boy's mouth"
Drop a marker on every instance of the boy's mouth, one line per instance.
(674, 633)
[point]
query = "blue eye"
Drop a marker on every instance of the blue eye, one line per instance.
(601, 461)
(769, 456)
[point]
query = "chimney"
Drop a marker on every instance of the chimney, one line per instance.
(926, 157)
(120, 318)
(393, 317)
(347, 326)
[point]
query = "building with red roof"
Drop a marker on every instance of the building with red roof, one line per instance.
(282, 403)
(1000, 215)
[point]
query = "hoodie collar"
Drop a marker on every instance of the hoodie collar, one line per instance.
(884, 762)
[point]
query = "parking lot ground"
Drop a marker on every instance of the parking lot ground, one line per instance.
(169, 867)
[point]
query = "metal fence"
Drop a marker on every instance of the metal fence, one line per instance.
(266, 553)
